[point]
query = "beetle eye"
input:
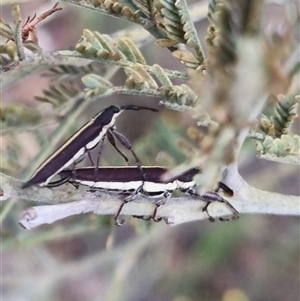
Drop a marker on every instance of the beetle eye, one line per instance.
(116, 110)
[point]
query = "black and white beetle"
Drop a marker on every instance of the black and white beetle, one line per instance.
(84, 140)
(129, 181)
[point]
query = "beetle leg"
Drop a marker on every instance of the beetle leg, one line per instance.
(101, 145)
(128, 199)
(210, 197)
(126, 143)
(164, 200)
(112, 141)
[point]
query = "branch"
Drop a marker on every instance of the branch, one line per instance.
(37, 63)
(18, 32)
(120, 63)
(246, 199)
(288, 159)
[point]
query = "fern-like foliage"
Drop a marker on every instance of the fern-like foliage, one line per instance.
(96, 45)
(285, 112)
(146, 7)
(174, 21)
(59, 94)
(61, 72)
(212, 8)
(5, 30)
(140, 81)
(138, 78)
(97, 85)
(18, 116)
(8, 50)
(23, 34)
(123, 53)
(108, 7)
(286, 145)
(231, 19)
(179, 98)
(168, 21)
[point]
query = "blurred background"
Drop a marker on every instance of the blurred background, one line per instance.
(87, 257)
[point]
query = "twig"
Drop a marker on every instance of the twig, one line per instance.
(34, 63)
(30, 23)
(123, 63)
(18, 32)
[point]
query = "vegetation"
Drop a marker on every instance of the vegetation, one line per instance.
(242, 84)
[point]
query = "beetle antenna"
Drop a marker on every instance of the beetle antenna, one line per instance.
(137, 108)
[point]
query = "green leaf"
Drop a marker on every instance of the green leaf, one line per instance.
(94, 81)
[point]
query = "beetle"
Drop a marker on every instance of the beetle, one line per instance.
(129, 181)
(85, 139)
